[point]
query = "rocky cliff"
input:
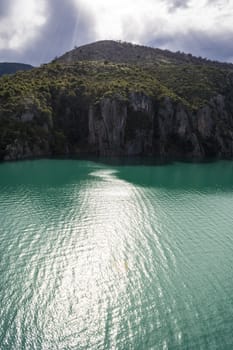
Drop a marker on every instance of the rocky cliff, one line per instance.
(139, 125)
(143, 126)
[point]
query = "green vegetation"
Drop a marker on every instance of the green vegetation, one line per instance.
(57, 95)
(196, 84)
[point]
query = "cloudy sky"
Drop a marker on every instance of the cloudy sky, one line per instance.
(35, 31)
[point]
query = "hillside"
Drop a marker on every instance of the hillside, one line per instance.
(124, 52)
(192, 78)
(11, 68)
(113, 98)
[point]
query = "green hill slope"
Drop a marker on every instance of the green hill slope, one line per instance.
(111, 98)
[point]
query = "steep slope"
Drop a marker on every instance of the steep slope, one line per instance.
(107, 102)
(11, 68)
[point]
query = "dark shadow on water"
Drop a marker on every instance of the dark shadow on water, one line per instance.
(148, 172)
(140, 161)
(200, 175)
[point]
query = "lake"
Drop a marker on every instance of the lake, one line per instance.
(101, 254)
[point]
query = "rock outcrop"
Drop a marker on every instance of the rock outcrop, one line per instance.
(140, 125)
(22, 150)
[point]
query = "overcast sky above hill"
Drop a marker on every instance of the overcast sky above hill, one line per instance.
(35, 31)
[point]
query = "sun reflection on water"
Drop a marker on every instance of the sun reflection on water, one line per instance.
(97, 266)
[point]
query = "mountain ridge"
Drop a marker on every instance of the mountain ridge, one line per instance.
(116, 51)
(13, 67)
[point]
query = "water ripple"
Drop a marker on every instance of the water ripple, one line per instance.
(103, 258)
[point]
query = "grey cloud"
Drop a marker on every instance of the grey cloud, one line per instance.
(218, 2)
(66, 26)
(173, 5)
(5, 7)
(199, 43)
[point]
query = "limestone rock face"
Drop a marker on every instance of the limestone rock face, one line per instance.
(27, 116)
(18, 150)
(107, 126)
(138, 125)
(120, 127)
(141, 126)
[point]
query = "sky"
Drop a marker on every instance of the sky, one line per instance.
(36, 31)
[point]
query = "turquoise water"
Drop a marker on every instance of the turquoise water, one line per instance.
(101, 255)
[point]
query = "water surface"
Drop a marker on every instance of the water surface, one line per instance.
(103, 255)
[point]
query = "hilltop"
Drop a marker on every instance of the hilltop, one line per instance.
(193, 79)
(114, 98)
(124, 52)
